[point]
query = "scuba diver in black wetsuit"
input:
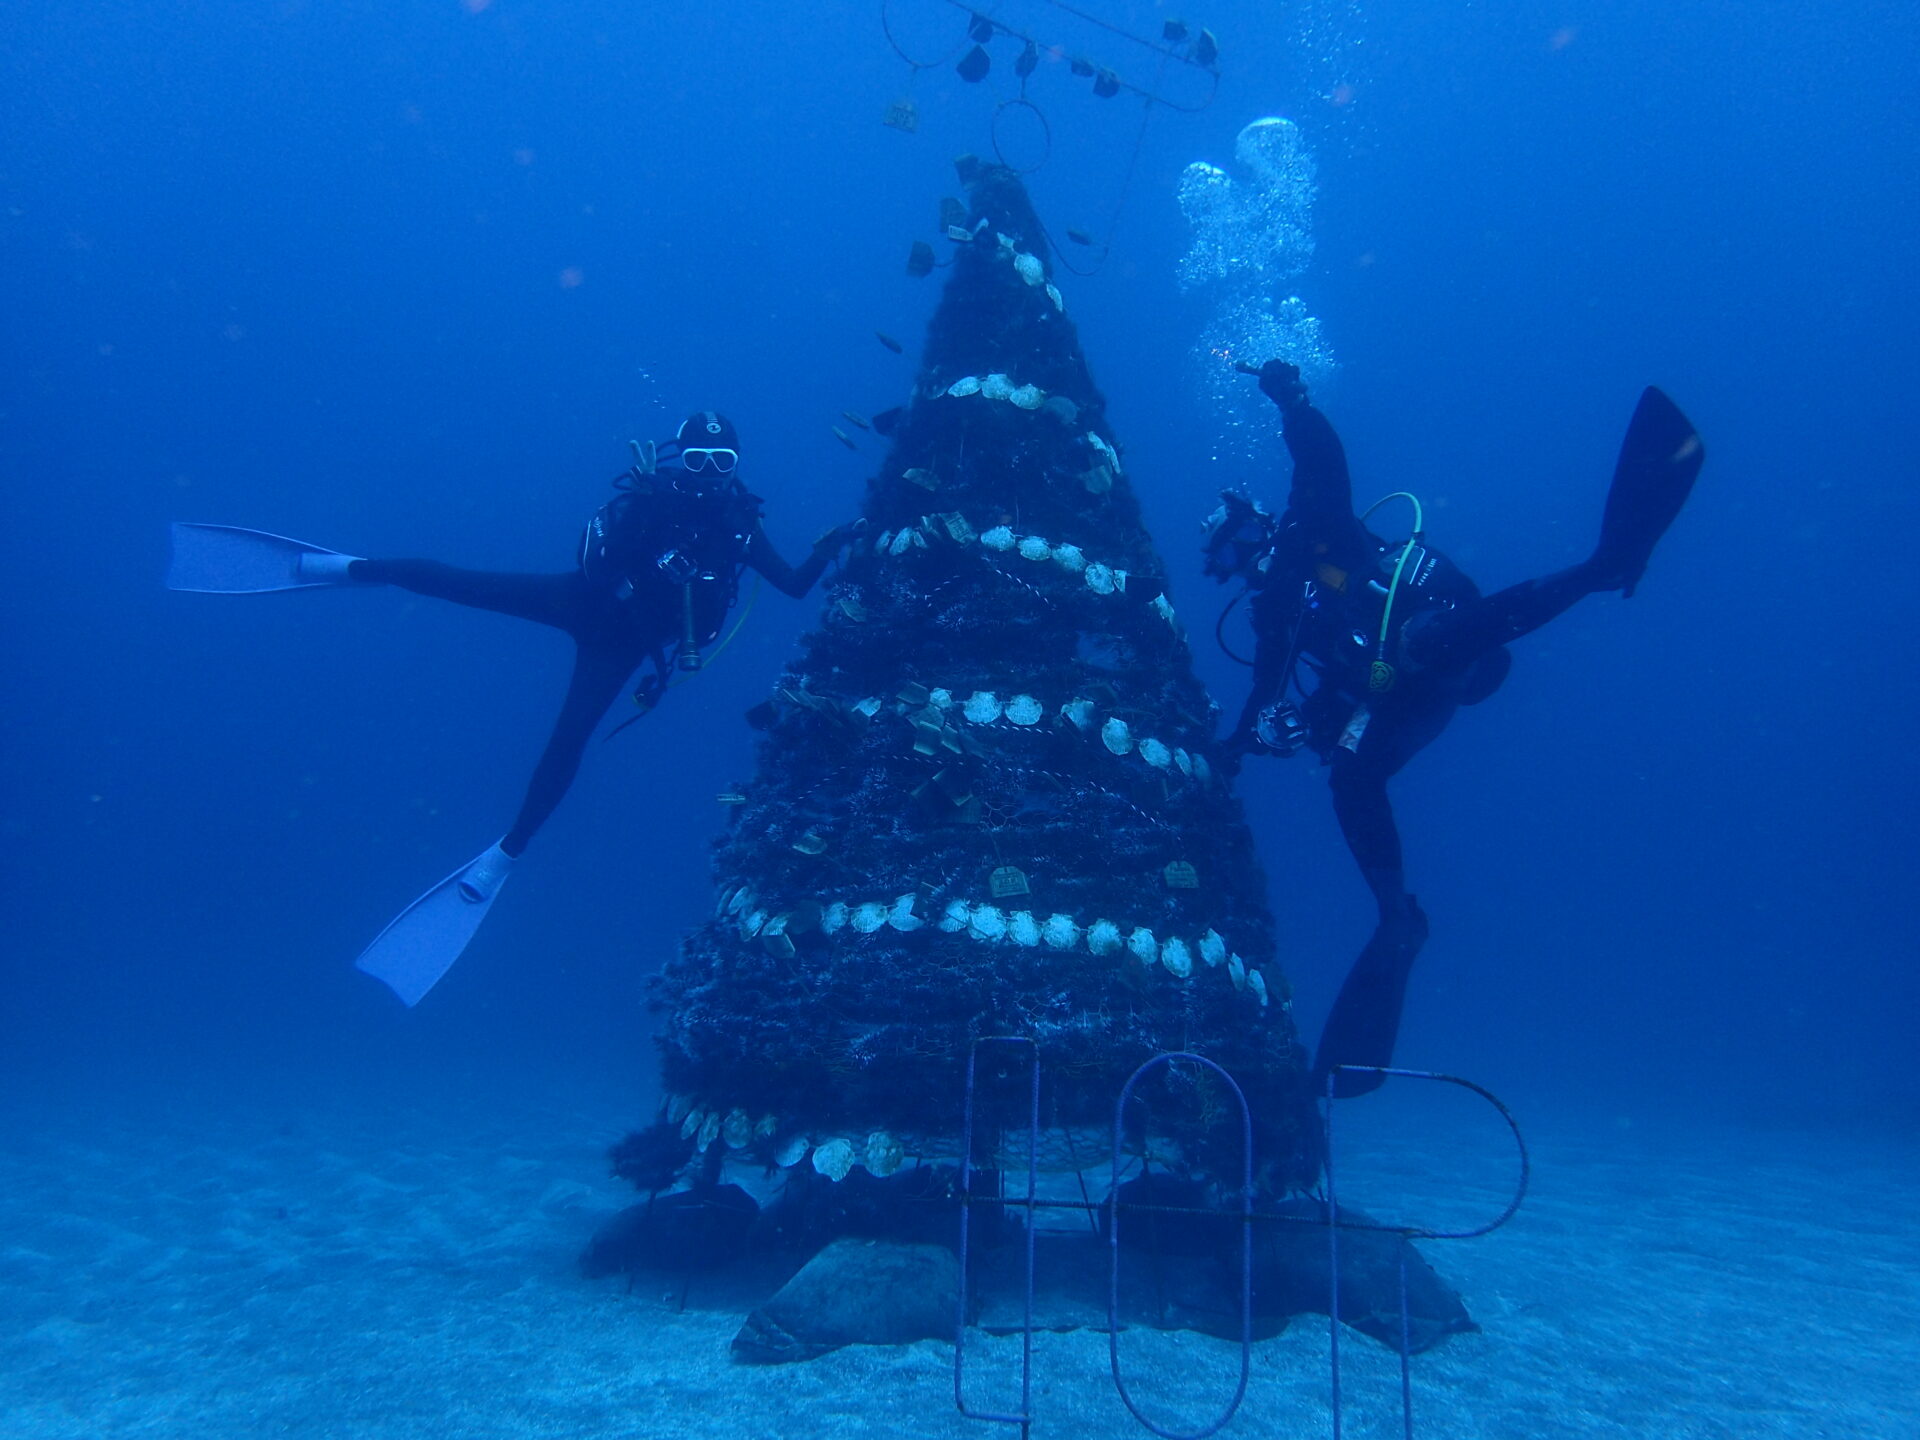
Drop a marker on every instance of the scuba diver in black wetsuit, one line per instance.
(659, 570)
(1396, 638)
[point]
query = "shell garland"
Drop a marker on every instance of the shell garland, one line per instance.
(1100, 578)
(990, 924)
(987, 707)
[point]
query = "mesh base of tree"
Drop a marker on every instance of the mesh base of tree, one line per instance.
(985, 803)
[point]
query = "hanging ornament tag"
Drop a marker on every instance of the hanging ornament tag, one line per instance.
(1008, 881)
(1181, 876)
(903, 114)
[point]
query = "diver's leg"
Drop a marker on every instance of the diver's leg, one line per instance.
(1453, 639)
(1364, 1023)
(1365, 814)
(601, 667)
(557, 600)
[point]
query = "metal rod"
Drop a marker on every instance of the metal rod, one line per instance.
(1024, 1417)
(1246, 1246)
(1333, 1267)
(1407, 1234)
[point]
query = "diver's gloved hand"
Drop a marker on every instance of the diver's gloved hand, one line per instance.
(1280, 382)
(841, 536)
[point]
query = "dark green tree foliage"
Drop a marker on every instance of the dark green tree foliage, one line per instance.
(796, 1008)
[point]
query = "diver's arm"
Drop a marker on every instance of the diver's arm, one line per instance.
(786, 578)
(1322, 493)
(1320, 501)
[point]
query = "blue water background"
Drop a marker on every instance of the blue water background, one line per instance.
(403, 279)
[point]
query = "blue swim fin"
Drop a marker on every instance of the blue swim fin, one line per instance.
(1365, 1020)
(1659, 461)
(226, 560)
(424, 940)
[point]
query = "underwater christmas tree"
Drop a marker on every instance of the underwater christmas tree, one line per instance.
(985, 803)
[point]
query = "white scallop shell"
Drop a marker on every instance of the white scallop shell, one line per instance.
(1155, 753)
(998, 538)
(1023, 929)
(1162, 606)
(1032, 547)
(1080, 712)
(884, 1153)
(1257, 983)
(1107, 451)
(966, 385)
(1202, 771)
(902, 542)
(901, 916)
(833, 917)
(709, 1131)
(983, 707)
(1145, 948)
(986, 923)
(1024, 710)
(1030, 268)
(1028, 397)
(764, 1127)
(1071, 557)
(1177, 957)
(1114, 736)
(1103, 937)
(1053, 294)
(690, 1126)
(940, 699)
(869, 917)
(959, 914)
(996, 386)
(834, 1159)
(1237, 972)
(736, 1129)
(751, 922)
(1183, 761)
(1213, 949)
(1101, 580)
(1060, 932)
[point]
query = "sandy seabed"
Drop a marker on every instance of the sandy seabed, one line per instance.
(204, 1260)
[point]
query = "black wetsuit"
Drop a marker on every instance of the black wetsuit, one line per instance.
(1320, 595)
(656, 567)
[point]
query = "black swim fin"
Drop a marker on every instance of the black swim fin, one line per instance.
(1659, 460)
(1365, 1019)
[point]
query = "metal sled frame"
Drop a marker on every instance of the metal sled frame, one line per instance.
(1246, 1214)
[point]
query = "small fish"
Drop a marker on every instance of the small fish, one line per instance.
(1079, 237)
(844, 438)
(888, 341)
(858, 421)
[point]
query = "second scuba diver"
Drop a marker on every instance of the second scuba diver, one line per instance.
(1396, 638)
(659, 569)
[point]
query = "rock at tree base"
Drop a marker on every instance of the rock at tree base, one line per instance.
(856, 1292)
(1290, 1277)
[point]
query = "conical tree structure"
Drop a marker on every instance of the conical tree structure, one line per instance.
(986, 803)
